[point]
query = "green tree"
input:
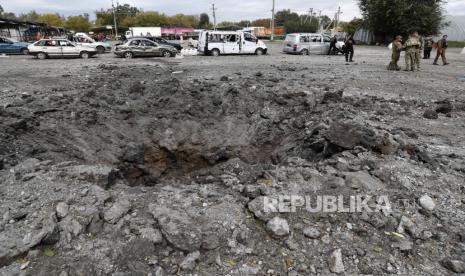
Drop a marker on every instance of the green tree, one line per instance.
(30, 16)
(401, 16)
(6, 15)
(325, 21)
(182, 20)
(352, 26)
(264, 22)
(283, 16)
(204, 21)
(145, 19)
(303, 24)
(105, 17)
(79, 23)
(51, 19)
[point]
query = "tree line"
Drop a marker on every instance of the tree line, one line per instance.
(380, 16)
(129, 16)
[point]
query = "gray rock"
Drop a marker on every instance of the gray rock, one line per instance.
(71, 226)
(349, 134)
(102, 175)
(100, 194)
(178, 228)
(311, 232)
(363, 180)
(62, 210)
(406, 225)
(278, 227)
(454, 265)
(427, 203)
(444, 107)
(151, 234)
(189, 262)
(403, 245)
(430, 114)
(335, 262)
(257, 207)
(118, 210)
(96, 224)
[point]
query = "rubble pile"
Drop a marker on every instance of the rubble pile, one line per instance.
(170, 176)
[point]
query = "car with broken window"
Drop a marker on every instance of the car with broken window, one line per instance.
(142, 47)
(161, 41)
(83, 39)
(217, 43)
(307, 43)
(60, 48)
(11, 46)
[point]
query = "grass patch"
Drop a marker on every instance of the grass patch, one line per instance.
(456, 44)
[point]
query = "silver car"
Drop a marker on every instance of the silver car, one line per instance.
(306, 43)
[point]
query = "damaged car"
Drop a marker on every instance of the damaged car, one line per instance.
(142, 47)
(47, 48)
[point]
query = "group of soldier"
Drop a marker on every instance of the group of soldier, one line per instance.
(413, 48)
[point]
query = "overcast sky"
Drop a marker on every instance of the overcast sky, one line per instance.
(227, 10)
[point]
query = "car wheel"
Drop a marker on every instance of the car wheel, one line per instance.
(259, 52)
(166, 54)
(100, 50)
(128, 55)
(84, 55)
(41, 55)
(304, 52)
(25, 52)
(215, 52)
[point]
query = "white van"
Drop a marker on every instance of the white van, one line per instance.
(216, 43)
(306, 43)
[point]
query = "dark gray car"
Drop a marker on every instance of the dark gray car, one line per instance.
(142, 47)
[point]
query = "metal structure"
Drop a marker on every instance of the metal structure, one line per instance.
(272, 21)
(214, 16)
(114, 17)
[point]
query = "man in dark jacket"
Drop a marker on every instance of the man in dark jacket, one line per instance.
(349, 48)
(332, 45)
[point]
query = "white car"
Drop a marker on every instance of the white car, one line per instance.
(59, 47)
(83, 39)
(216, 43)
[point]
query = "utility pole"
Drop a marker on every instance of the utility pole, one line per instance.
(114, 17)
(319, 22)
(272, 21)
(311, 15)
(214, 16)
(338, 15)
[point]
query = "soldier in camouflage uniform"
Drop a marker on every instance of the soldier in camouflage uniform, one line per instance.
(396, 49)
(428, 47)
(411, 47)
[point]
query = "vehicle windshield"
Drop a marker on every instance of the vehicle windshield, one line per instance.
(10, 40)
(290, 38)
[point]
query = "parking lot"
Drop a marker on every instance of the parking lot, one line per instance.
(366, 75)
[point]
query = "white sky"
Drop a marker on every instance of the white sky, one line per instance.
(227, 10)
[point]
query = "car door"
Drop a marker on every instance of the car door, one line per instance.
(215, 41)
(231, 44)
(52, 48)
(150, 48)
(326, 43)
(304, 43)
(136, 48)
(4, 46)
(68, 49)
(249, 43)
(315, 44)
